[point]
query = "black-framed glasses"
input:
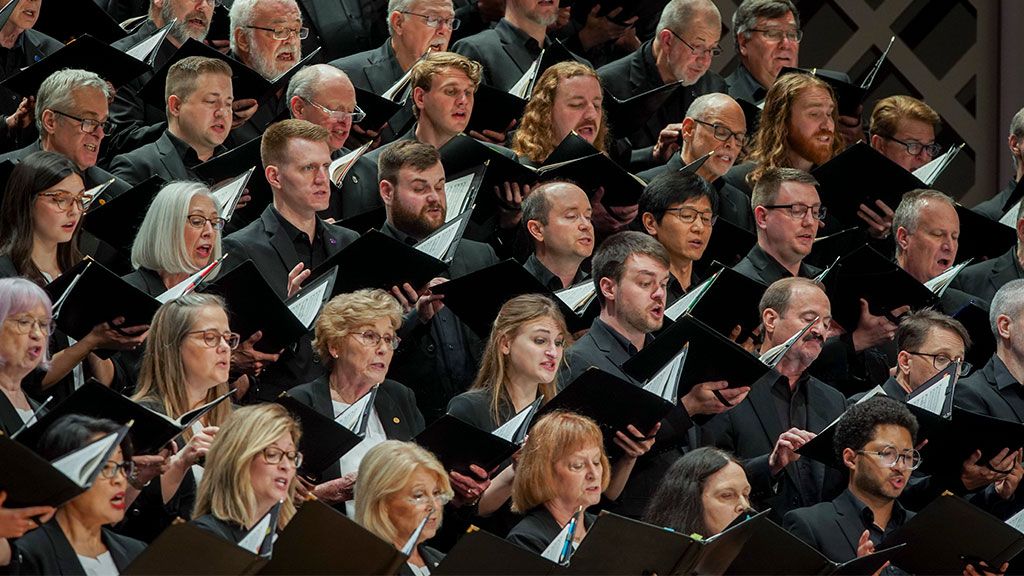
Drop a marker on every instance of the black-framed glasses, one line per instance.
(690, 215)
(111, 468)
(198, 221)
(799, 211)
(435, 21)
(776, 35)
(283, 33)
(356, 115)
(723, 133)
(889, 457)
(915, 148)
(274, 455)
(88, 125)
(24, 324)
(713, 51)
(63, 201)
(942, 361)
(373, 339)
(213, 338)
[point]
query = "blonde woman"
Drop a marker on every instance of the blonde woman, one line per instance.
(250, 468)
(399, 485)
(185, 365)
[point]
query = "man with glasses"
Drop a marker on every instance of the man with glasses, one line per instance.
(786, 406)
(289, 240)
(199, 98)
(714, 123)
(903, 129)
(875, 440)
(556, 216)
(324, 95)
(681, 51)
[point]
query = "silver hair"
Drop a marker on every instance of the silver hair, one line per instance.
(240, 17)
(399, 6)
(678, 14)
(746, 15)
(19, 295)
(701, 105)
(1008, 301)
(58, 91)
(305, 82)
(1017, 129)
(160, 243)
(909, 211)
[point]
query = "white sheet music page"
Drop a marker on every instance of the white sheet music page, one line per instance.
(934, 397)
(457, 192)
(307, 305)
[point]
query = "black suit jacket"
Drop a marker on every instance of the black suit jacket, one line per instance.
(832, 528)
(750, 431)
(431, 556)
(31, 47)
(225, 529)
(993, 207)
(374, 70)
(992, 391)
(46, 550)
(267, 244)
(395, 405)
(359, 192)
(160, 158)
(757, 264)
(985, 278)
(503, 53)
(10, 421)
(342, 26)
(538, 529)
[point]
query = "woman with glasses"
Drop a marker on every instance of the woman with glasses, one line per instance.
(400, 486)
(355, 338)
(249, 469)
(185, 366)
(40, 217)
(77, 540)
(24, 335)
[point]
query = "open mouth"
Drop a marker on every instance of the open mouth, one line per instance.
(549, 366)
(118, 502)
(944, 262)
(204, 250)
(657, 311)
(287, 56)
(589, 131)
(436, 46)
(35, 352)
(281, 483)
(91, 147)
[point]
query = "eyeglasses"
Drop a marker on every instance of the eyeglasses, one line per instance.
(713, 51)
(435, 21)
(63, 201)
(199, 221)
(799, 211)
(371, 338)
(212, 338)
(24, 324)
(915, 148)
(356, 115)
(941, 362)
(422, 498)
(111, 468)
(723, 133)
(283, 33)
(775, 35)
(273, 455)
(689, 215)
(88, 125)
(889, 457)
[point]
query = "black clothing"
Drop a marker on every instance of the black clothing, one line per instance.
(992, 391)
(538, 529)
(733, 204)
(92, 176)
(10, 420)
(505, 51)
(344, 27)
(547, 277)
(984, 279)
(760, 266)
(431, 557)
(993, 207)
(169, 158)
(359, 192)
(226, 529)
(742, 85)
(30, 47)
(46, 550)
(149, 281)
(474, 407)
(374, 70)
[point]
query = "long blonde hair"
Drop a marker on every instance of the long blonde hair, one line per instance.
(226, 489)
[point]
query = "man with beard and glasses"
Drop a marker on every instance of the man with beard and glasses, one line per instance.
(21, 46)
(785, 406)
(266, 35)
(439, 356)
(509, 49)
(324, 95)
(631, 272)
(681, 51)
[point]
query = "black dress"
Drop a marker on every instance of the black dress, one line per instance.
(538, 529)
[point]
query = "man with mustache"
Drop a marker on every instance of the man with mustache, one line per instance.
(681, 51)
(713, 123)
(785, 406)
(324, 95)
(557, 218)
(439, 355)
(198, 121)
(631, 272)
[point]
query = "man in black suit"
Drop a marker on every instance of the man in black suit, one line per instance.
(324, 95)
(713, 123)
(985, 278)
(557, 219)
(997, 206)
(344, 27)
(289, 239)
(199, 97)
(876, 440)
(786, 407)
(439, 355)
(681, 51)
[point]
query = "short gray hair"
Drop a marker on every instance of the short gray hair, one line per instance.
(746, 15)
(240, 17)
(160, 243)
(399, 6)
(679, 14)
(57, 92)
(305, 81)
(909, 211)
(1008, 301)
(1017, 129)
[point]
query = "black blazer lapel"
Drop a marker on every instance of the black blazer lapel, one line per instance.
(169, 157)
(848, 521)
(1002, 271)
(508, 37)
(380, 70)
(763, 405)
(10, 421)
(389, 412)
(279, 240)
(608, 346)
(321, 393)
(63, 554)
